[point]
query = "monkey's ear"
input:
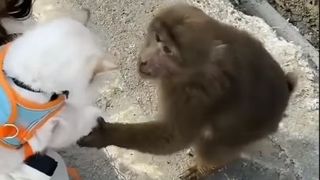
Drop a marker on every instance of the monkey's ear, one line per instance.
(219, 50)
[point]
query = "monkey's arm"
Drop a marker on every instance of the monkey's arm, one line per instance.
(151, 137)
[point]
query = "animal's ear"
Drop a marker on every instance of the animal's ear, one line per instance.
(219, 50)
(104, 66)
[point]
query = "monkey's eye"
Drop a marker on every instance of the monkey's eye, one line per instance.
(158, 38)
(166, 49)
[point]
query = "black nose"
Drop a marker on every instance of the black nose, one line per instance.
(66, 93)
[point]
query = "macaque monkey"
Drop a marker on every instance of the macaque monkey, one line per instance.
(220, 90)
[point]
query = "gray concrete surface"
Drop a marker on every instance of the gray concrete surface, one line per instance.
(290, 154)
(264, 10)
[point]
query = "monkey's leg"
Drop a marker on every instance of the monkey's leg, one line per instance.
(209, 159)
(151, 137)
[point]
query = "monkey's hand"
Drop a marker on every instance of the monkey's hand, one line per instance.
(98, 137)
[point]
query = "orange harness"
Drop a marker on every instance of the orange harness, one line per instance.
(19, 117)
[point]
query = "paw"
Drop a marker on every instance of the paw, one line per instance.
(83, 16)
(87, 15)
(97, 137)
(197, 173)
(191, 174)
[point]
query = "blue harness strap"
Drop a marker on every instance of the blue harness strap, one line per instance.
(28, 119)
(5, 107)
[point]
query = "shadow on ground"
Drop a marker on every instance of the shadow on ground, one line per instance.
(245, 170)
(91, 163)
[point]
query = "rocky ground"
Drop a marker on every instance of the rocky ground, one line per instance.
(304, 14)
(290, 154)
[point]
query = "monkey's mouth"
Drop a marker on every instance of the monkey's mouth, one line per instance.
(146, 72)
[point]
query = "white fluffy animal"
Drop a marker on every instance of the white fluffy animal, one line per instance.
(53, 57)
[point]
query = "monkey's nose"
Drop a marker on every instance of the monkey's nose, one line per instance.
(144, 69)
(143, 63)
(142, 66)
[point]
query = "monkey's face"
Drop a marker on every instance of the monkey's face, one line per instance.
(178, 44)
(159, 57)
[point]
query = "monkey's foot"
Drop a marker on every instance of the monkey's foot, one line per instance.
(197, 172)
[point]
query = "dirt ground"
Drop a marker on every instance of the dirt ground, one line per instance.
(304, 14)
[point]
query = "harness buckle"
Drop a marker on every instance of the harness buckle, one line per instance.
(12, 126)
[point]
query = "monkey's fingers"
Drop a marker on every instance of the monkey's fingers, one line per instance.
(86, 141)
(190, 174)
(95, 137)
(93, 140)
(199, 172)
(101, 122)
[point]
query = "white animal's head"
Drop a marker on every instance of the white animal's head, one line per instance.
(57, 56)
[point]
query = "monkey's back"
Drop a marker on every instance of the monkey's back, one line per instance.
(257, 95)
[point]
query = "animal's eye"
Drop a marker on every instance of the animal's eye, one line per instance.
(166, 49)
(157, 37)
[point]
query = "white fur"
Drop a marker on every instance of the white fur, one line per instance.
(56, 56)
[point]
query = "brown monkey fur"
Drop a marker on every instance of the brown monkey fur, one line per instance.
(16, 9)
(3, 13)
(220, 91)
